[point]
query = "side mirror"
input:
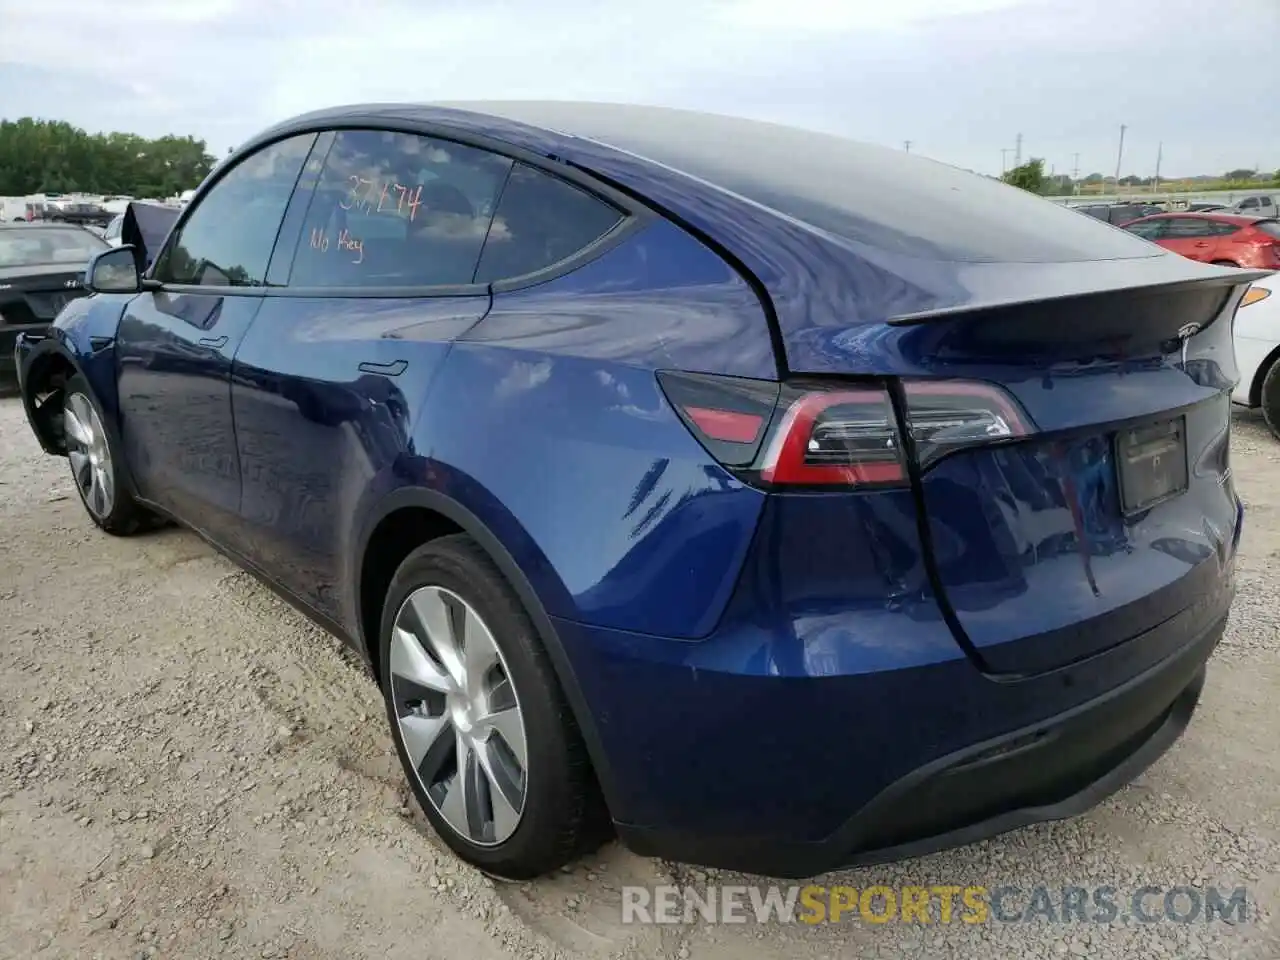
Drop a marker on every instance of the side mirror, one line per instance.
(114, 271)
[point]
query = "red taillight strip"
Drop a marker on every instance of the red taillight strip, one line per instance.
(729, 426)
(784, 459)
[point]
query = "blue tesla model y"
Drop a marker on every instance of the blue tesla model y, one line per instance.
(771, 500)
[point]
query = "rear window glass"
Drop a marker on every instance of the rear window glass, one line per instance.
(1270, 227)
(540, 221)
(29, 247)
(885, 199)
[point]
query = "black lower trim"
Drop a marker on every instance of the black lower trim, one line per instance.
(1056, 769)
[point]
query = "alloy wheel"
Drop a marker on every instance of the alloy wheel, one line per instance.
(458, 715)
(89, 455)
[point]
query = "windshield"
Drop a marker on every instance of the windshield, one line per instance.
(23, 247)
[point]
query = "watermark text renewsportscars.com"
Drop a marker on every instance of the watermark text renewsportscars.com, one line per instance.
(936, 904)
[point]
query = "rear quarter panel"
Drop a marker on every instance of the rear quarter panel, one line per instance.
(547, 422)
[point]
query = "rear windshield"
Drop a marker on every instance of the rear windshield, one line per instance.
(1270, 227)
(34, 246)
(886, 199)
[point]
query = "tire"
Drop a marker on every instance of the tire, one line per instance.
(1270, 399)
(553, 812)
(94, 456)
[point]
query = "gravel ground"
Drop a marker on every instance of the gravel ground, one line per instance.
(189, 769)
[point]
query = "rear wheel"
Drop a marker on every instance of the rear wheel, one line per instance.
(95, 463)
(1271, 398)
(482, 729)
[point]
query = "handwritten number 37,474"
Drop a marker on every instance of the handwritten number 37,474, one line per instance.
(392, 198)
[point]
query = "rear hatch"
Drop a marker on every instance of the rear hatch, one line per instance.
(30, 295)
(1099, 503)
(1069, 463)
(1053, 389)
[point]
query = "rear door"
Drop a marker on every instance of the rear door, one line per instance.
(376, 267)
(1190, 236)
(174, 344)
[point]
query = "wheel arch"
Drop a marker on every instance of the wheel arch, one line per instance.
(46, 371)
(449, 516)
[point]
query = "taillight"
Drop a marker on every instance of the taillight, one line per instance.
(820, 435)
(728, 415)
(846, 437)
(946, 415)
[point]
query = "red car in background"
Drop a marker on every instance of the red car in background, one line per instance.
(1227, 239)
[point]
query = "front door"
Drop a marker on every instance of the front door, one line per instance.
(175, 353)
(176, 341)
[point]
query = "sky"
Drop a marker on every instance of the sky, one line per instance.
(960, 79)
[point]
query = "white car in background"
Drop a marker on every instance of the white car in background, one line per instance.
(1257, 340)
(113, 231)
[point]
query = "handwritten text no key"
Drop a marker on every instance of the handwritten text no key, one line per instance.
(345, 242)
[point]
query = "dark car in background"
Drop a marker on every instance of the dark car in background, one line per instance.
(82, 214)
(1118, 214)
(786, 501)
(41, 270)
(1229, 240)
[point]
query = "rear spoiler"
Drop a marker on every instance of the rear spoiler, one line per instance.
(1217, 277)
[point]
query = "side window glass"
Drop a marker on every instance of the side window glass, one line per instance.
(228, 237)
(541, 220)
(1149, 230)
(1250, 204)
(1186, 229)
(397, 210)
(1222, 229)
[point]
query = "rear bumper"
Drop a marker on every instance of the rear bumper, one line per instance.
(1057, 768)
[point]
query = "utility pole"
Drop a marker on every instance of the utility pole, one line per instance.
(1004, 160)
(1120, 156)
(1017, 151)
(1075, 174)
(1159, 156)
(906, 145)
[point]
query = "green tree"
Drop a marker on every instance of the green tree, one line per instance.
(51, 156)
(1241, 174)
(1029, 176)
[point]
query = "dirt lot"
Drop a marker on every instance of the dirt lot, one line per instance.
(189, 769)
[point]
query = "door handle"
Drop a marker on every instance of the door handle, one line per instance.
(392, 369)
(212, 341)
